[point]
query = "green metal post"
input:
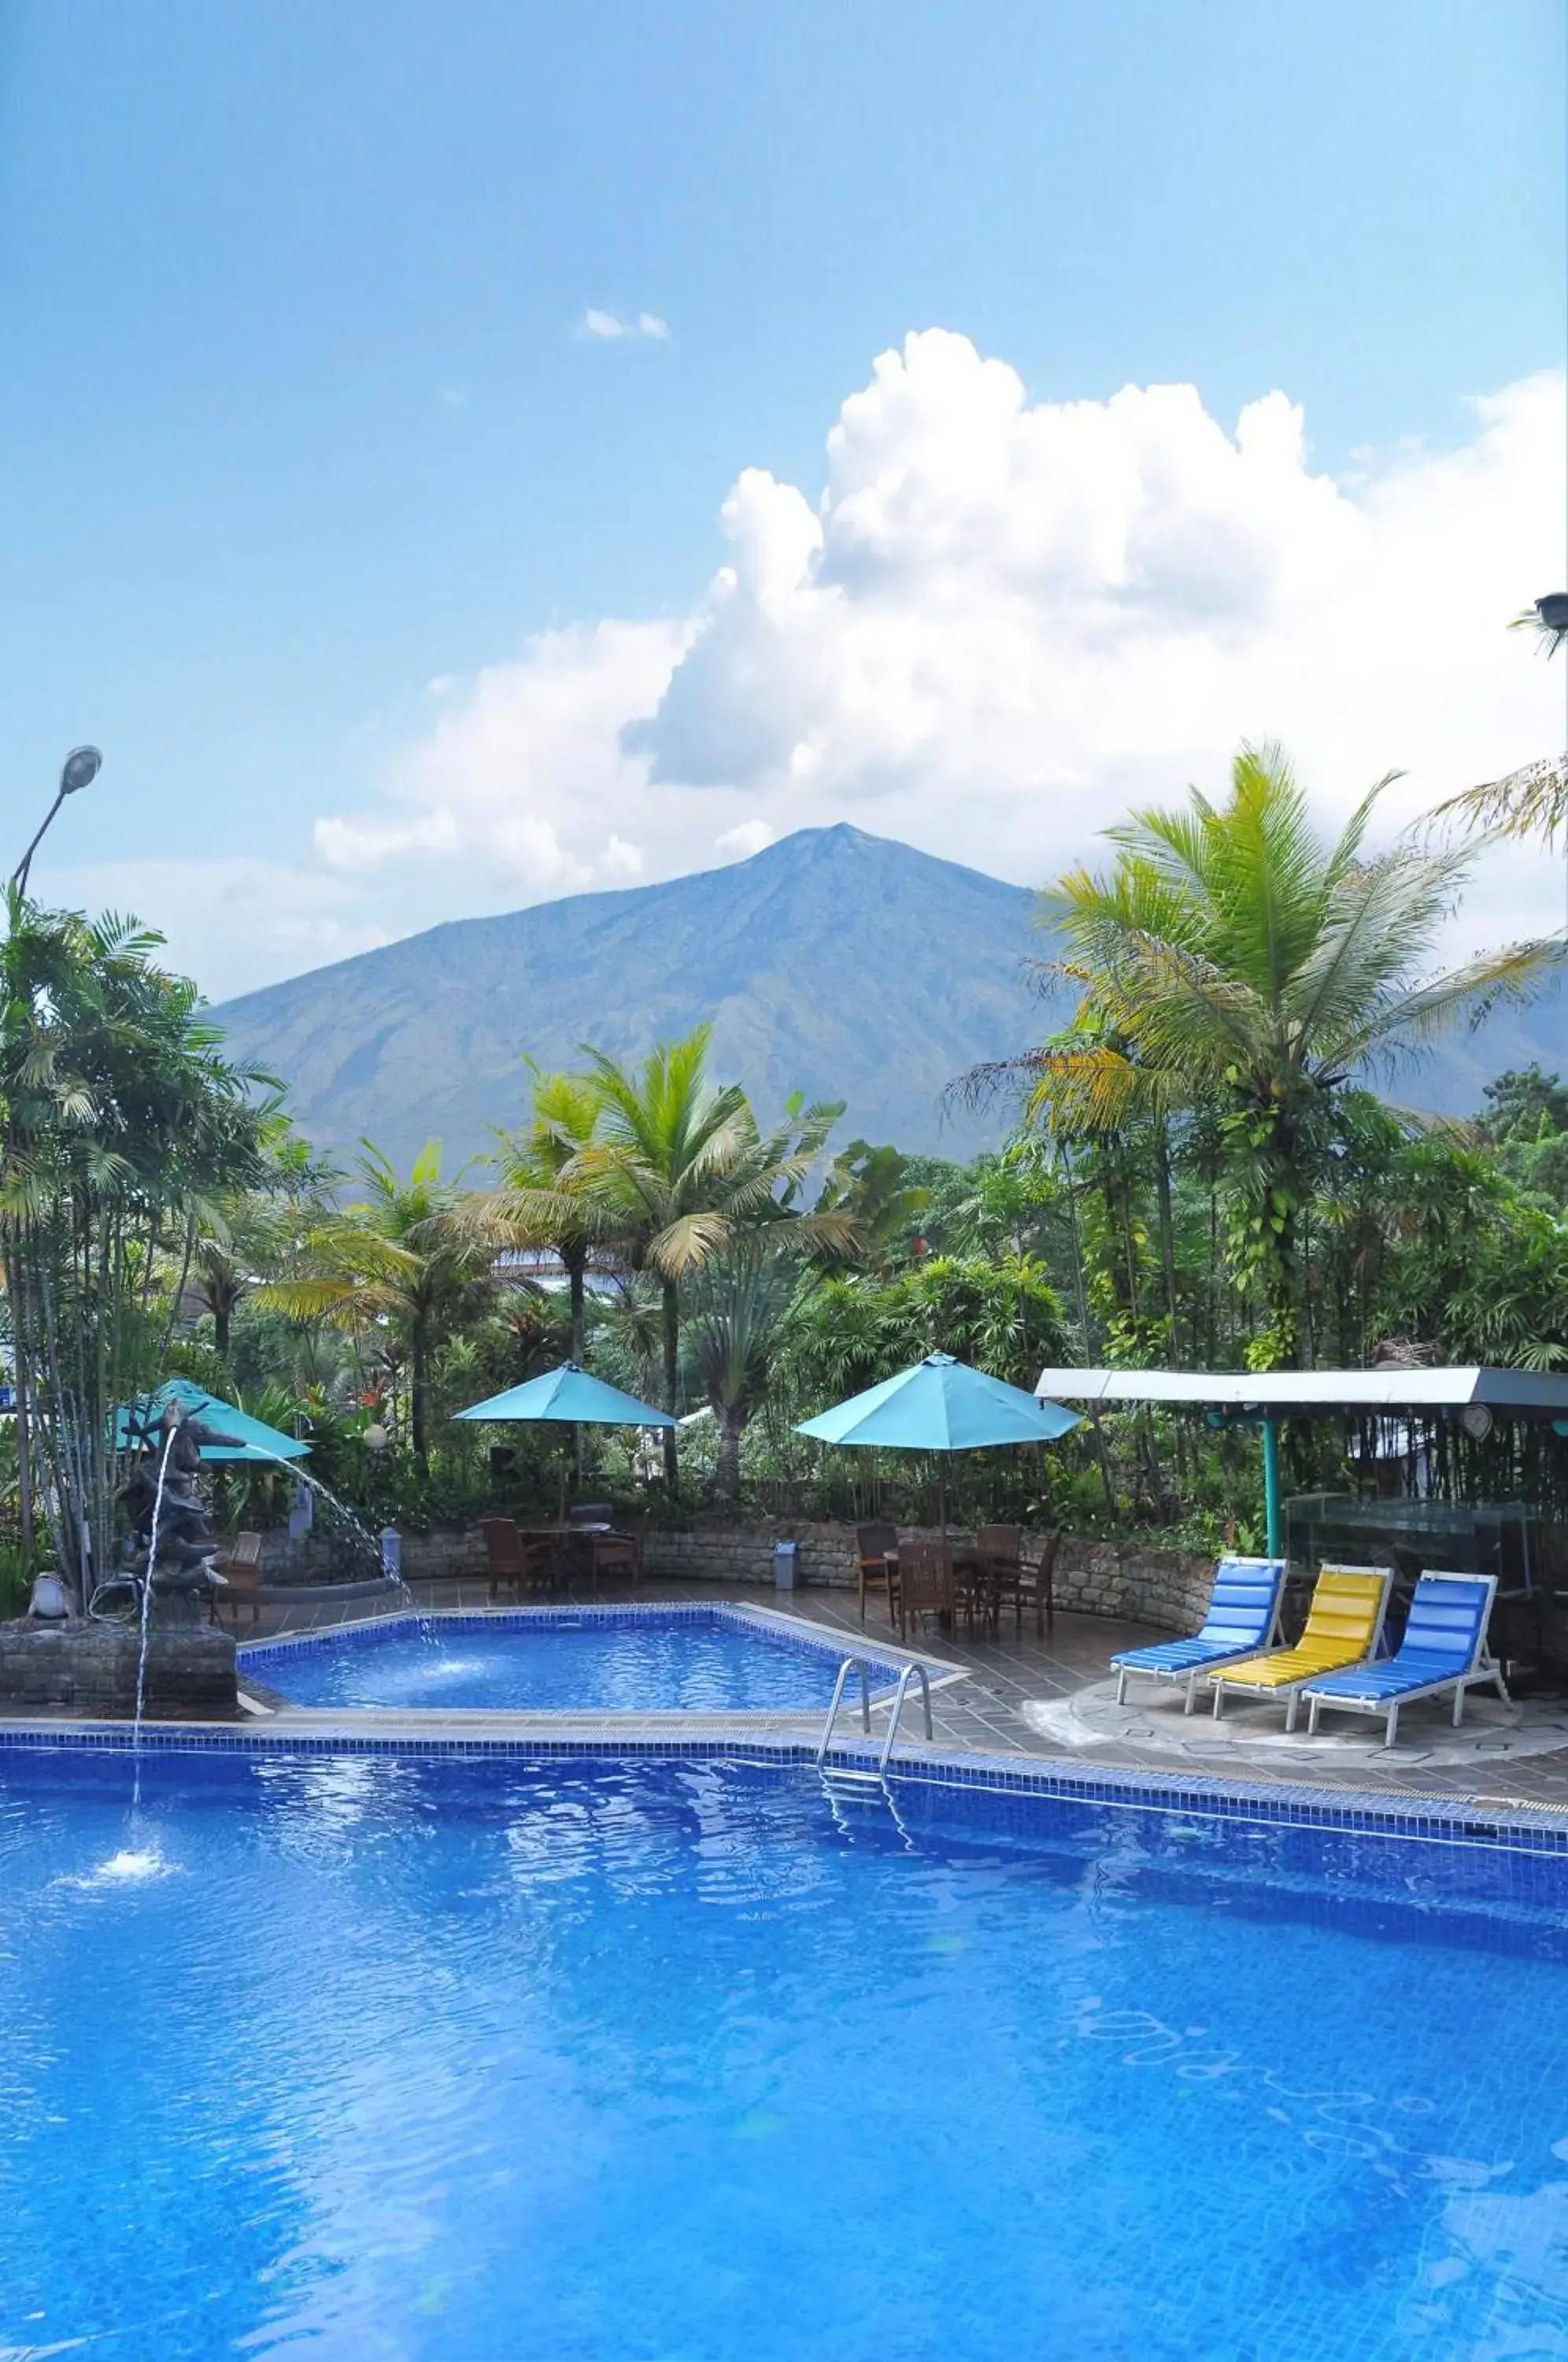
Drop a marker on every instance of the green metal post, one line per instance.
(1274, 1518)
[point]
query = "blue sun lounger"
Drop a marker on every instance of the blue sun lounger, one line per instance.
(1242, 1617)
(1444, 1647)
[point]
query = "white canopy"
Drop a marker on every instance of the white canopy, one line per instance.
(1509, 1393)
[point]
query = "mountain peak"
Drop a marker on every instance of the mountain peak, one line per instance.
(833, 962)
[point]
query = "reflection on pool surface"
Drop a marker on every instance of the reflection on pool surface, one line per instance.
(474, 2062)
(627, 1660)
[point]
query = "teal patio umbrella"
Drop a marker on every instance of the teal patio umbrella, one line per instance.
(255, 1440)
(941, 1404)
(575, 1397)
(569, 1398)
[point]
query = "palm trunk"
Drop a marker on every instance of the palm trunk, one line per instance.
(575, 1261)
(671, 1310)
(223, 1324)
(726, 1474)
(416, 1398)
(1167, 1233)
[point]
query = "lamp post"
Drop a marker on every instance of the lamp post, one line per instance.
(78, 770)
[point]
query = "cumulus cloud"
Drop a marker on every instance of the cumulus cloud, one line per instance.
(997, 624)
(623, 860)
(1002, 621)
(368, 843)
(748, 837)
(236, 921)
(609, 328)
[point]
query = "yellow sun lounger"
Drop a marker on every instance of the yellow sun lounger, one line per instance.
(1344, 1625)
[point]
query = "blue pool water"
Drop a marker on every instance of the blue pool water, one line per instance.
(704, 1661)
(365, 2059)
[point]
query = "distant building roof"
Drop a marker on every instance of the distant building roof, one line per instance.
(1529, 1394)
(542, 1267)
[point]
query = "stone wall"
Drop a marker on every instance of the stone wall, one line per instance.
(1168, 1588)
(1165, 1588)
(91, 1669)
(426, 1557)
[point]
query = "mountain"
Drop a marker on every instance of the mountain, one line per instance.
(835, 963)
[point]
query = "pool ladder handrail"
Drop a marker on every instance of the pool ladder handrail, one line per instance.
(850, 1665)
(908, 1674)
(860, 1665)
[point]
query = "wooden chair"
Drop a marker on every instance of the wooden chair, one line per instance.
(241, 1567)
(876, 1552)
(997, 1567)
(620, 1553)
(925, 1582)
(1032, 1581)
(515, 1558)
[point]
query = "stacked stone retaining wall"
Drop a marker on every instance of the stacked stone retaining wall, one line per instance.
(1166, 1588)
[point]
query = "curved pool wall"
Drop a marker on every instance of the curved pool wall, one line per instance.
(461, 2061)
(669, 1657)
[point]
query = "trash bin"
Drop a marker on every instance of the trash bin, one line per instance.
(391, 1553)
(784, 1556)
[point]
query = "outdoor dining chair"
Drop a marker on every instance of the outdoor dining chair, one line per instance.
(620, 1551)
(1025, 1582)
(877, 1566)
(515, 1558)
(925, 1582)
(241, 1567)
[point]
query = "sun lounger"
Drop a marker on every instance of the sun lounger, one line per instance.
(1344, 1624)
(1241, 1616)
(1444, 1647)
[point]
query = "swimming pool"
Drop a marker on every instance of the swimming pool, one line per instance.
(589, 2062)
(699, 1658)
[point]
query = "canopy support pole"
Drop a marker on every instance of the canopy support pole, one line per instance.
(1273, 1519)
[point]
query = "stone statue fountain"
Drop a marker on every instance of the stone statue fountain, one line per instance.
(167, 1517)
(162, 1659)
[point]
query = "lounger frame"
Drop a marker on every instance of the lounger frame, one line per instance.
(1483, 1669)
(1293, 1692)
(1126, 1666)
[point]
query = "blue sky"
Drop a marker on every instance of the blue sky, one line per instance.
(298, 415)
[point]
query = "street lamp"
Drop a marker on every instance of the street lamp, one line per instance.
(78, 770)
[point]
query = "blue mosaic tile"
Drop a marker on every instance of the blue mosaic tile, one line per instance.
(1439, 1822)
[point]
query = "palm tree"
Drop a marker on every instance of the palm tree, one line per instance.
(543, 1200)
(120, 1119)
(1230, 962)
(401, 1257)
(1526, 803)
(738, 1302)
(1533, 800)
(677, 1170)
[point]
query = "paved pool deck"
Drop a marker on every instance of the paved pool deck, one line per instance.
(1048, 1699)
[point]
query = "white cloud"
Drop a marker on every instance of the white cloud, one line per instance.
(1003, 622)
(609, 326)
(999, 624)
(748, 837)
(234, 922)
(368, 843)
